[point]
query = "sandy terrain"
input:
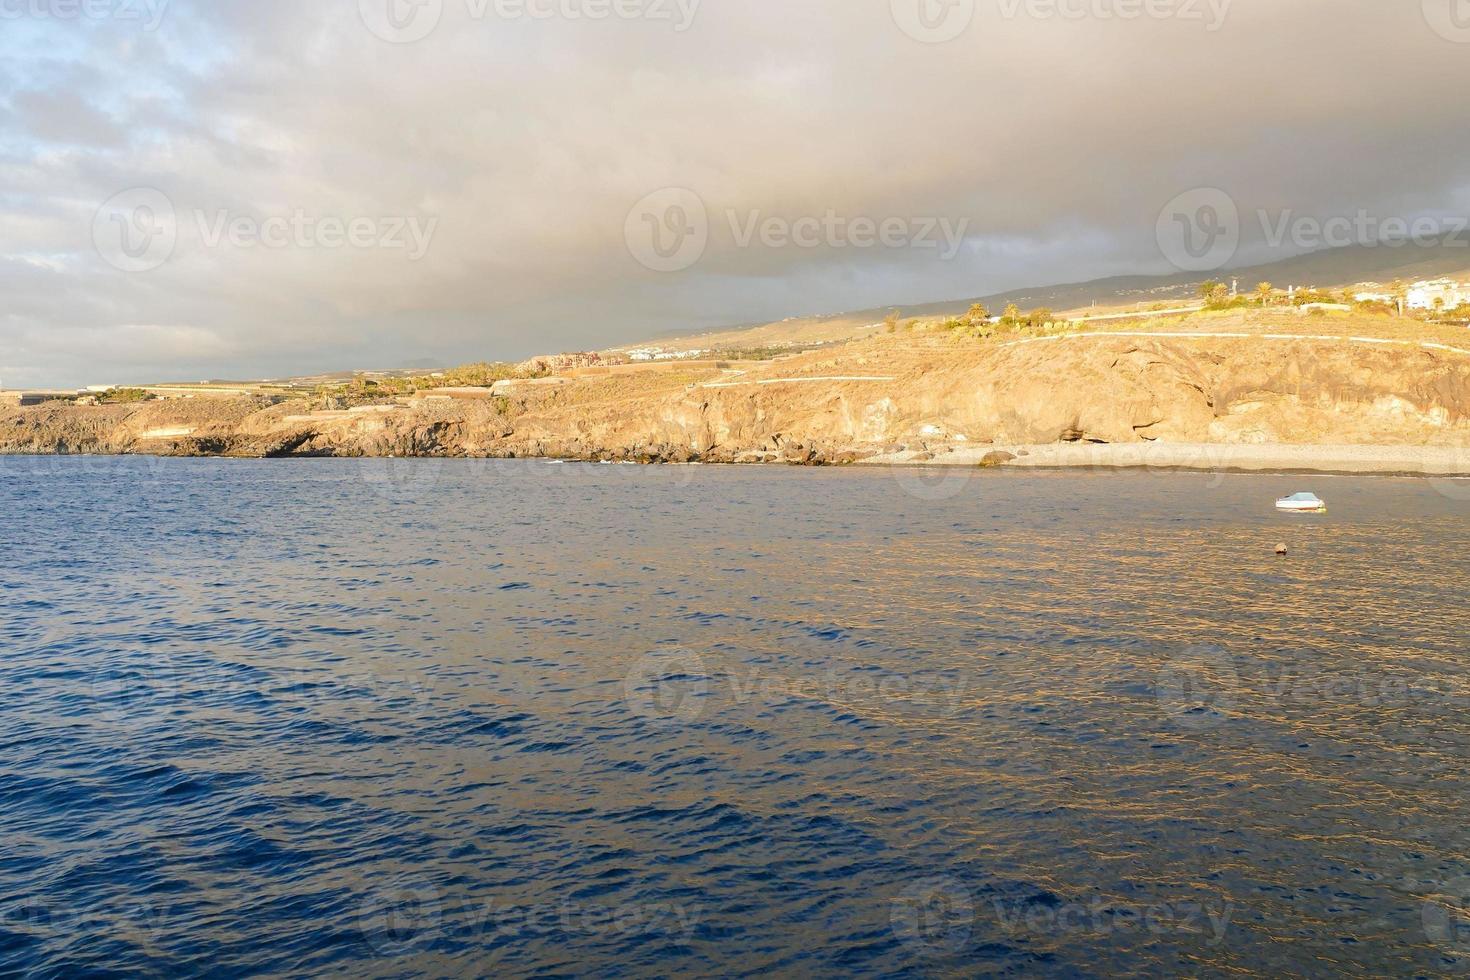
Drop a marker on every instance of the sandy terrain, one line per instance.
(1214, 457)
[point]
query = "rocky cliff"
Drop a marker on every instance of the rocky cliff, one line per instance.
(923, 392)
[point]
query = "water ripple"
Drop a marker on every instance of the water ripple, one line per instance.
(285, 718)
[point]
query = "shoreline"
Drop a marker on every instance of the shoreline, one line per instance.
(1345, 460)
(1441, 462)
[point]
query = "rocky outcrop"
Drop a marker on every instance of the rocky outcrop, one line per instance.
(869, 398)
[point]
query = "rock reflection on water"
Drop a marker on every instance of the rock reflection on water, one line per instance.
(448, 717)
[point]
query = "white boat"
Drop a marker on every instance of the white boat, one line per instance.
(1302, 503)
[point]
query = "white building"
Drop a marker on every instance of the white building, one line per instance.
(1438, 294)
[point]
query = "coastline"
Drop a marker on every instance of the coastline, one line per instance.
(1351, 460)
(1441, 462)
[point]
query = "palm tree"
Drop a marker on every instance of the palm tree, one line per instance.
(1264, 290)
(1400, 293)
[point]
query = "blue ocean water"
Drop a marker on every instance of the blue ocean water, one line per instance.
(446, 718)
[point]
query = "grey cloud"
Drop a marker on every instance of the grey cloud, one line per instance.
(1057, 140)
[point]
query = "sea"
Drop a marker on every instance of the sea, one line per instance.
(422, 718)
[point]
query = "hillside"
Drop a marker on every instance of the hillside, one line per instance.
(1326, 268)
(1239, 378)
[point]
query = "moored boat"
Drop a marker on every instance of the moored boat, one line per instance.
(1302, 503)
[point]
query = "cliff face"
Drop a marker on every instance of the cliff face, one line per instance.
(865, 398)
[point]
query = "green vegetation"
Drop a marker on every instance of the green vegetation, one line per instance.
(762, 353)
(481, 374)
(1216, 296)
(365, 390)
(124, 396)
(978, 322)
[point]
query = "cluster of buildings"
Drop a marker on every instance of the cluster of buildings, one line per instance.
(554, 363)
(1438, 294)
(1426, 294)
(659, 354)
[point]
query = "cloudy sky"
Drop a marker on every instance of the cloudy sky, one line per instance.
(195, 188)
